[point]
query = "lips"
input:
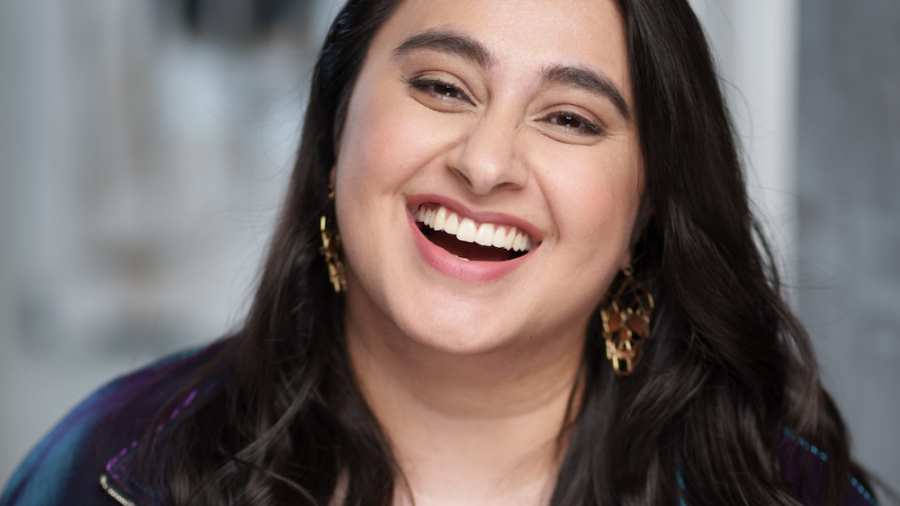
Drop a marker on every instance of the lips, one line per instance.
(467, 260)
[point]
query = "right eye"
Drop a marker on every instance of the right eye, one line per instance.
(439, 90)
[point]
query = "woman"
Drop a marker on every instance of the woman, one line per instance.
(516, 266)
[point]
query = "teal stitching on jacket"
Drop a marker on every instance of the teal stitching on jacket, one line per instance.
(815, 451)
(679, 471)
(804, 444)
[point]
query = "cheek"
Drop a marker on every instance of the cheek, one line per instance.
(595, 201)
(389, 138)
(375, 151)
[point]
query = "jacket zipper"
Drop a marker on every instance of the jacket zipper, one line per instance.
(122, 498)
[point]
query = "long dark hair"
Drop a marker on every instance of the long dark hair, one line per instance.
(727, 367)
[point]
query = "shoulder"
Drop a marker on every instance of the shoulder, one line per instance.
(804, 471)
(96, 437)
(803, 468)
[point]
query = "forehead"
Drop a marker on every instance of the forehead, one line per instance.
(523, 35)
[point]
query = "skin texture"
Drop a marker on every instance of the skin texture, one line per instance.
(470, 379)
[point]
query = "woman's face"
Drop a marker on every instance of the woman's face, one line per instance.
(506, 123)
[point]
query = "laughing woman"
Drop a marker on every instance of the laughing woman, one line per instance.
(516, 266)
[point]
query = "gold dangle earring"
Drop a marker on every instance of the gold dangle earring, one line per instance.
(331, 243)
(626, 312)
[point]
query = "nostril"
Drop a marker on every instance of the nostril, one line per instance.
(465, 179)
(486, 160)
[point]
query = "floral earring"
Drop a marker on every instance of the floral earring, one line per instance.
(330, 249)
(626, 312)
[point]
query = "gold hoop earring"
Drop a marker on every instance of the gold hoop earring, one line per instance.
(330, 249)
(626, 313)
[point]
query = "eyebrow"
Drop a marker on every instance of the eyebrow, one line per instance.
(588, 81)
(448, 42)
(455, 44)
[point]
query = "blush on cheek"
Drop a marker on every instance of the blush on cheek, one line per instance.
(607, 228)
(388, 148)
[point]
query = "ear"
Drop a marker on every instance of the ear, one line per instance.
(626, 262)
(332, 176)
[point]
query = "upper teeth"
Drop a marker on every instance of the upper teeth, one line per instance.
(466, 230)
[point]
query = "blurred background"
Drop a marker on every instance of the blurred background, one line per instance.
(145, 147)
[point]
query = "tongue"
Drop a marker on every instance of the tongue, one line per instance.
(469, 250)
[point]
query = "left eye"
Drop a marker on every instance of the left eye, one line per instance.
(439, 89)
(446, 90)
(573, 122)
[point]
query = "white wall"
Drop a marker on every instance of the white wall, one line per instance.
(755, 42)
(140, 174)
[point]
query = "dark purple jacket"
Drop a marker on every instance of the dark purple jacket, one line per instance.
(88, 458)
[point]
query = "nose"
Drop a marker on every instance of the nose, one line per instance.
(486, 159)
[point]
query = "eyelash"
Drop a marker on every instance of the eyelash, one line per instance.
(590, 128)
(431, 86)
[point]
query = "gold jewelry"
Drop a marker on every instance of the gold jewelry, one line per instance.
(626, 312)
(331, 243)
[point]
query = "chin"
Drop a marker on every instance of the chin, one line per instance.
(459, 336)
(463, 343)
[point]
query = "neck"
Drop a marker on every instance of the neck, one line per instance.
(482, 428)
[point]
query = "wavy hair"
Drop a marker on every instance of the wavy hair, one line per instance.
(726, 369)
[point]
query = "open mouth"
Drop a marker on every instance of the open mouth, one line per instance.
(470, 240)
